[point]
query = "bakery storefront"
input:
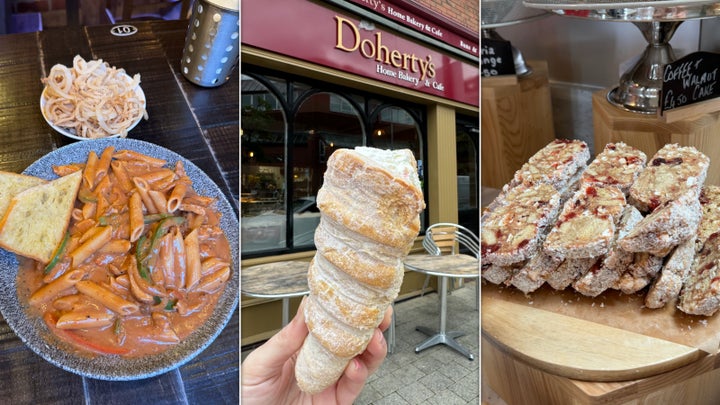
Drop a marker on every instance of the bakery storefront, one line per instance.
(318, 76)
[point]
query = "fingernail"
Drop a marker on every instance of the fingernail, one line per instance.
(382, 337)
(356, 364)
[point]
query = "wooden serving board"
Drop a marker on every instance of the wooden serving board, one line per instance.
(576, 348)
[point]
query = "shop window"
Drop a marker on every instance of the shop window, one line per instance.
(394, 128)
(323, 123)
(289, 130)
(262, 181)
(467, 149)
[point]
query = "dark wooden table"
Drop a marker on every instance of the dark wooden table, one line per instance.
(201, 124)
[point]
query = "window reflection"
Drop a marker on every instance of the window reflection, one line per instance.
(323, 123)
(289, 130)
(262, 147)
(395, 128)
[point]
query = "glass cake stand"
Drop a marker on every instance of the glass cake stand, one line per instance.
(502, 13)
(639, 87)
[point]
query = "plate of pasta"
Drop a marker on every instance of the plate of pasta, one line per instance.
(91, 100)
(146, 276)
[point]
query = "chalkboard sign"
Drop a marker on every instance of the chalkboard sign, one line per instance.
(497, 58)
(689, 80)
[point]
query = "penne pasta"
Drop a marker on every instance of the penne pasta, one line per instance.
(55, 287)
(180, 171)
(101, 206)
(89, 233)
(120, 173)
(194, 220)
(114, 270)
(196, 209)
(90, 170)
(213, 264)
(64, 170)
(192, 260)
(89, 209)
(116, 246)
(137, 223)
(159, 201)
(103, 164)
(103, 187)
(142, 188)
(66, 303)
(77, 214)
(106, 297)
(214, 281)
(202, 201)
(91, 245)
(176, 196)
(178, 251)
(166, 261)
(121, 282)
(84, 320)
(133, 155)
(135, 280)
(158, 176)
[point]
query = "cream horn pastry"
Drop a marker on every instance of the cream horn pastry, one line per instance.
(369, 205)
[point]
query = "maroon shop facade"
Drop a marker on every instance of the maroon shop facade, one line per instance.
(322, 75)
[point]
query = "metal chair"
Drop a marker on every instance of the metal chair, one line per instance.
(448, 238)
(444, 238)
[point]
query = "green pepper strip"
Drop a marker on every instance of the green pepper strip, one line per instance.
(148, 219)
(58, 253)
(86, 195)
(139, 256)
(171, 304)
(163, 228)
(141, 252)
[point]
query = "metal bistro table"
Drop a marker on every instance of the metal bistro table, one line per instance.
(283, 280)
(198, 123)
(444, 267)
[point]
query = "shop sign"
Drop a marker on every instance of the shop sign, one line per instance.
(308, 31)
(410, 19)
(497, 58)
(689, 80)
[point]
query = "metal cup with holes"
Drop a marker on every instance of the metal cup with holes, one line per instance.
(212, 42)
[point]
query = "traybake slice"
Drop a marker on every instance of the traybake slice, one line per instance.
(512, 231)
(617, 165)
(673, 171)
(710, 221)
(586, 226)
(554, 164)
(701, 292)
(499, 274)
(666, 227)
(666, 287)
(533, 275)
(569, 271)
(603, 276)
